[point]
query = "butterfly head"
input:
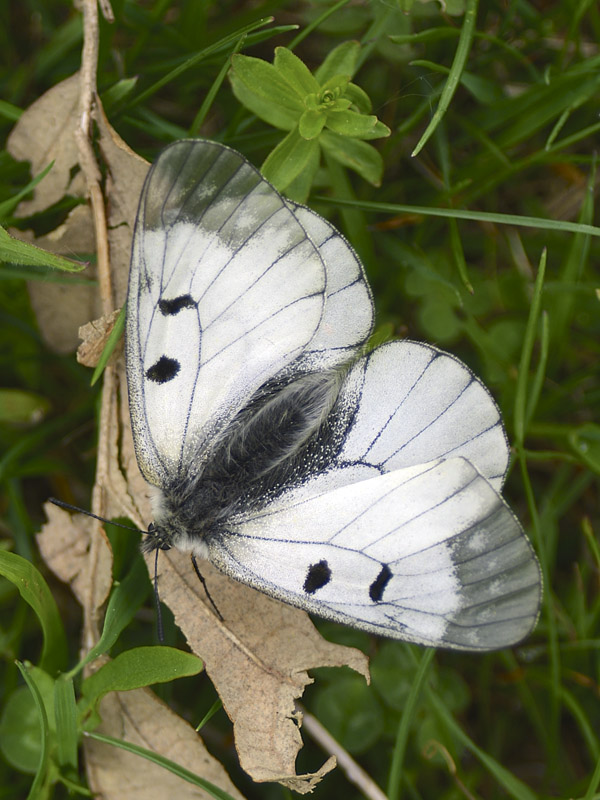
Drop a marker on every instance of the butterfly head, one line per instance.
(158, 538)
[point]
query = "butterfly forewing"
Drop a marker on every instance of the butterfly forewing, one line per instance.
(226, 289)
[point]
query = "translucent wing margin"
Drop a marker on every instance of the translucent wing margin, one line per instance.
(429, 554)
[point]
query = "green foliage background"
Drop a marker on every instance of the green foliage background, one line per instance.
(517, 138)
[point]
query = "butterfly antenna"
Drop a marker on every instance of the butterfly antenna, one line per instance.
(203, 582)
(69, 507)
(159, 619)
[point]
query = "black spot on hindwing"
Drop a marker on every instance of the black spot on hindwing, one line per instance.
(176, 304)
(377, 588)
(318, 575)
(164, 370)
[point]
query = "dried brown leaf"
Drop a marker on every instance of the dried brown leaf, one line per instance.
(64, 543)
(141, 718)
(126, 173)
(258, 659)
(45, 132)
(61, 308)
(94, 336)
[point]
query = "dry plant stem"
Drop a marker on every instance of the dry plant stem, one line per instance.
(87, 161)
(354, 773)
(91, 171)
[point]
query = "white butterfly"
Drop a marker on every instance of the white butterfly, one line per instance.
(362, 488)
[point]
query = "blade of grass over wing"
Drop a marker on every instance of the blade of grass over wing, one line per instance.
(458, 65)
(176, 769)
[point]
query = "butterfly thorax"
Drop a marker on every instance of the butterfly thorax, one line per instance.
(274, 442)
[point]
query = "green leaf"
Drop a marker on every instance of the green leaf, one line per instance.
(340, 61)
(34, 590)
(259, 87)
(16, 252)
(44, 735)
(295, 72)
(300, 187)
(352, 153)
(20, 731)
(288, 159)
(337, 83)
(349, 123)
(141, 666)
(17, 406)
(118, 92)
(359, 98)
(125, 599)
(311, 124)
(65, 712)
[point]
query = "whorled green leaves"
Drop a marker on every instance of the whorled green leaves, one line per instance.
(325, 110)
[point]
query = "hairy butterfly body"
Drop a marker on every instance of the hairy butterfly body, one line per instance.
(362, 488)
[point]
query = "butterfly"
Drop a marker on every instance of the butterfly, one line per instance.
(363, 487)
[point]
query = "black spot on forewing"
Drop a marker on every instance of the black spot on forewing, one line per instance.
(171, 307)
(318, 575)
(377, 588)
(164, 370)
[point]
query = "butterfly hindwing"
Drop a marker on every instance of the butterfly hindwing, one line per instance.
(415, 403)
(430, 554)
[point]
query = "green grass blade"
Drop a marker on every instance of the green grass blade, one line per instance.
(113, 339)
(39, 788)
(196, 59)
(511, 784)
(522, 392)
(458, 65)
(462, 213)
(34, 590)
(17, 252)
(406, 720)
(155, 758)
(65, 711)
